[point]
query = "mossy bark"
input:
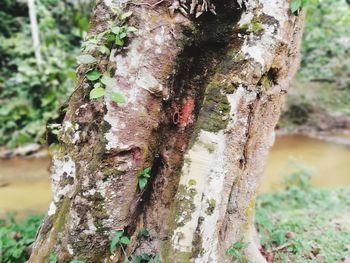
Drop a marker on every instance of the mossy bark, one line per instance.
(202, 99)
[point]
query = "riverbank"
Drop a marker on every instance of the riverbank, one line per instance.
(314, 108)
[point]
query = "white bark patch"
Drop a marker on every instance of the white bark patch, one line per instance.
(52, 209)
(276, 8)
(71, 131)
(70, 249)
(147, 81)
(234, 100)
(204, 172)
(62, 170)
(261, 49)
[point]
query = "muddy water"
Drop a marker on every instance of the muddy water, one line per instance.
(329, 162)
(24, 186)
(25, 183)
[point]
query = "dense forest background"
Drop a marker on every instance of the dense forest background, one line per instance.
(30, 94)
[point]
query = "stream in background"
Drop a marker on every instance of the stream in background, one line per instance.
(25, 183)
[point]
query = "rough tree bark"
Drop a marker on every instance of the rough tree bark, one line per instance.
(203, 97)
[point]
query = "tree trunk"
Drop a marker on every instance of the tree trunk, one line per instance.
(35, 31)
(203, 96)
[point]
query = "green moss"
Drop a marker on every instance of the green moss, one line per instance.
(215, 111)
(265, 82)
(60, 217)
(57, 149)
(192, 182)
(93, 166)
(211, 206)
(184, 204)
(208, 146)
(111, 171)
(249, 214)
(255, 26)
(182, 257)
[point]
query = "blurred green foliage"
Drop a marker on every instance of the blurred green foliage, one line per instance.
(29, 94)
(326, 42)
(16, 237)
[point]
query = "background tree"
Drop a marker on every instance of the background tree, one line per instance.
(165, 136)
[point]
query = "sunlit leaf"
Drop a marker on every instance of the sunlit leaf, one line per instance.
(108, 81)
(93, 75)
(119, 41)
(114, 242)
(96, 93)
(119, 233)
(104, 50)
(142, 183)
(118, 98)
(295, 6)
(86, 59)
(116, 30)
(53, 258)
(125, 240)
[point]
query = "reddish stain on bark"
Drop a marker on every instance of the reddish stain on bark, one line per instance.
(183, 116)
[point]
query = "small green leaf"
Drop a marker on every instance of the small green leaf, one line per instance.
(53, 258)
(137, 259)
(118, 98)
(119, 233)
(104, 50)
(142, 183)
(108, 81)
(86, 59)
(116, 30)
(98, 85)
(147, 170)
(114, 242)
(119, 41)
(125, 240)
(96, 93)
(93, 75)
(145, 256)
(122, 35)
(125, 15)
(143, 233)
(145, 173)
(295, 6)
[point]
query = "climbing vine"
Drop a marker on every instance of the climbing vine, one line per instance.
(112, 38)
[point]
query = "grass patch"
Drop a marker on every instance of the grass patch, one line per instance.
(305, 224)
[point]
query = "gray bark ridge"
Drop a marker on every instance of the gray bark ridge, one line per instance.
(202, 99)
